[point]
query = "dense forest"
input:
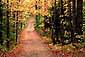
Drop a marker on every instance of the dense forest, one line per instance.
(62, 21)
(66, 18)
(10, 24)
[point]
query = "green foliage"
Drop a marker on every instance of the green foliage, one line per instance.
(15, 27)
(84, 4)
(39, 23)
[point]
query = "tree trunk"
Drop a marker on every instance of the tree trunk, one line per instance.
(79, 19)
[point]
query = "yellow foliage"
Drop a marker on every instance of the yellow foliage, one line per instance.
(29, 6)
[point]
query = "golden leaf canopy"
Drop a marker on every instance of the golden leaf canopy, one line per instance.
(29, 5)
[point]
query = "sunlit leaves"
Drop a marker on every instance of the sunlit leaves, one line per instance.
(42, 6)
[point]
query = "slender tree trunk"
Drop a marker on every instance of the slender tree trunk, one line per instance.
(8, 33)
(79, 18)
(1, 16)
(16, 25)
(61, 26)
(73, 30)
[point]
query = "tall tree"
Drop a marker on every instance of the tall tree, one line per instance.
(79, 18)
(1, 20)
(8, 33)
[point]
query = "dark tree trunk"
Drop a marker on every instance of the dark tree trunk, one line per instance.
(8, 33)
(1, 16)
(16, 19)
(61, 26)
(79, 18)
(53, 18)
(73, 30)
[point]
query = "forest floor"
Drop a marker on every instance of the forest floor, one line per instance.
(32, 45)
